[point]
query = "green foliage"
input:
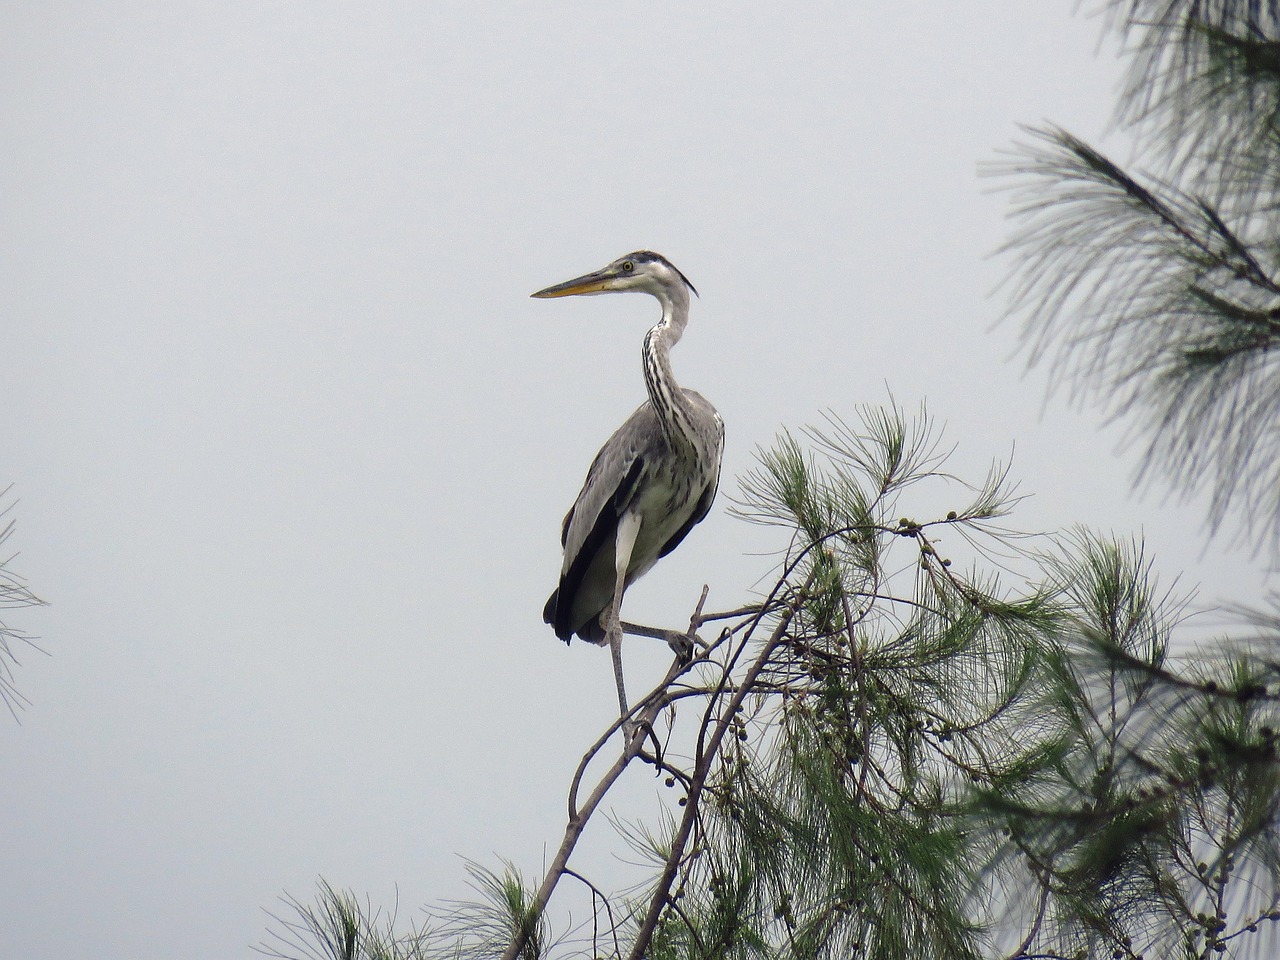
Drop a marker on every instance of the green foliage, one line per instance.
(339, 927)
(1140, 832)
(485, 928)
(835, 821)
(953, 770)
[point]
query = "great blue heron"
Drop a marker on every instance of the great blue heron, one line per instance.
(652, 480)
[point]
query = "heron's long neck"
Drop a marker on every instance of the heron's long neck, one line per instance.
(668, 399)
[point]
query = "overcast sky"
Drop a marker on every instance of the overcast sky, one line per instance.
(291, 444)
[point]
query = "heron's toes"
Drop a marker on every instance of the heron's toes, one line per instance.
(681, 645)
(635, 732)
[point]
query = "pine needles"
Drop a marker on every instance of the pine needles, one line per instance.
(1160, 293)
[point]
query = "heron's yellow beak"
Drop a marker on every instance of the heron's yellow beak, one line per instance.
(599, 282)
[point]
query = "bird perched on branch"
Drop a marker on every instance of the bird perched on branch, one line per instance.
(651, 482)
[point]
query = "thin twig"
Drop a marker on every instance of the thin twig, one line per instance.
(595, 892)
(1021, 951)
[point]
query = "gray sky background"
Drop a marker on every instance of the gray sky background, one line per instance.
(291, 444)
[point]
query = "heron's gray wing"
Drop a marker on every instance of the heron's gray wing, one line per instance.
(591, 523)
(610, 481)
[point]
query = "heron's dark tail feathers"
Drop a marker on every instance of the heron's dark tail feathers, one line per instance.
(591, 631)
(563, 631)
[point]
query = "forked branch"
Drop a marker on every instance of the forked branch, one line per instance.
(644, 714)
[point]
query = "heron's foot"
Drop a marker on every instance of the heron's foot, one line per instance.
(635, 732)
(631, 729)
(682, 643)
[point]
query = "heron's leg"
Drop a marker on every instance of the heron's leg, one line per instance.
(625, 541)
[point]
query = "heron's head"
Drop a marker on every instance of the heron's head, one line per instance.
(643, 272)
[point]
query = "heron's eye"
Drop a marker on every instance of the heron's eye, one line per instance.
(627, 266)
